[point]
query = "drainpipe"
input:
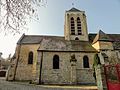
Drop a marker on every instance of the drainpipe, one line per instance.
(40, 76)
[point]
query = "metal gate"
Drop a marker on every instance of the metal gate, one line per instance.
(112, 73)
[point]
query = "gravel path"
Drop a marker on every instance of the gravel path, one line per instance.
(5, 85)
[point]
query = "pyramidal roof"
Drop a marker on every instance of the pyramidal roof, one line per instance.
(74, 10)
(101, 36)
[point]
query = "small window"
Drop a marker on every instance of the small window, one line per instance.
(30, 58)
(72, 32)
(56, 62)
(79, 26)
(72, 26)
(85, 62)
(78, 20)
(76, 38)
(79, 32)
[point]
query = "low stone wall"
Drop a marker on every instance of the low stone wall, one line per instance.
(85, 76)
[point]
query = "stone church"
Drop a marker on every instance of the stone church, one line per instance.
(64, 59)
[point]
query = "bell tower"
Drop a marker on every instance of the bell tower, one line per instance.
(75, 26)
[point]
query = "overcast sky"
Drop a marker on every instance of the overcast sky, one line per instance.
(101, 14)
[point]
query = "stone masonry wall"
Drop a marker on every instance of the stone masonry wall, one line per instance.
(75, 15)
(26, 71)
(112, 57)
(62, 75)
(85, 76)
(56, 76)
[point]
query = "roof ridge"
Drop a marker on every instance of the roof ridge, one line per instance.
(44, 35)
(23, 35)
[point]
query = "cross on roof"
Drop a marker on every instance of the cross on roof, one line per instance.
(73, 4)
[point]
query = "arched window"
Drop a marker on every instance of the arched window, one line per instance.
(76, 38)
(56, 62)
(79, 26)
(72, 26)
(30, 58)
(85, 62)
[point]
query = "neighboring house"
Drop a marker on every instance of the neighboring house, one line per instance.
(4, 64)
(108, 45)
(64, 59)
(1, 61)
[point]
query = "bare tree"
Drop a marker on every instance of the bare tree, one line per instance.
(14, 14)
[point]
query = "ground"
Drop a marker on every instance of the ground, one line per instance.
(5, 85)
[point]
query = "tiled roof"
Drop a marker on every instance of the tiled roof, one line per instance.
(101, 36)
(114, 38)
(36, 39)
(91, 37)
(58, 45)
(74, 10)
(70, 45)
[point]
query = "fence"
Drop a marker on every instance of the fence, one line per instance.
(112, 73)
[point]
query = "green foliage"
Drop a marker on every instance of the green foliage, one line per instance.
(16, 14)
(96, 60)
